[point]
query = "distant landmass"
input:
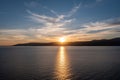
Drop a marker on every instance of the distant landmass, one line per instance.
(103, 42)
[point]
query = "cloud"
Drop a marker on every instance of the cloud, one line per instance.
(93, 3)
(104, 25)
(54, 27)
(57, 21)
(115, 21)
(51, 10)
(51, 32)
(51, 25)
(73, 11)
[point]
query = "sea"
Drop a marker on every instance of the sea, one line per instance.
(60, 63)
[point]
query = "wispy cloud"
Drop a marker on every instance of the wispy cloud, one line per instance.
(74, 10)
(94, 30)
(93, 3)
(55, 26)
(104, 25)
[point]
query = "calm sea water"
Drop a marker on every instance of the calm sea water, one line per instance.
(60, 63)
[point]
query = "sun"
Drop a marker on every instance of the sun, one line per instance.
(62, 39)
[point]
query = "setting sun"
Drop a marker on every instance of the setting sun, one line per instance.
(62, 39)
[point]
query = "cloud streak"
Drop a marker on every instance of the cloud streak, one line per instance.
(74, 10)
(94, 30)
(51, 28)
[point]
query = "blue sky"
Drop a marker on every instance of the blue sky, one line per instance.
(47, 20)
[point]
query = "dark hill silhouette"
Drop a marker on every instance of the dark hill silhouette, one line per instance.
(103, 42)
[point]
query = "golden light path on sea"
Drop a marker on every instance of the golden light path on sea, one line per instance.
(62, 67)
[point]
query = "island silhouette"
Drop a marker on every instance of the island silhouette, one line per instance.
(102, 42)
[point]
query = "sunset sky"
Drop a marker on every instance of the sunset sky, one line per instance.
(24, 21)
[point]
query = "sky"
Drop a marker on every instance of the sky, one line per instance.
(23, 21)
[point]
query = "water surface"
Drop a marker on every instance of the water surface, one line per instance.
(60, 63)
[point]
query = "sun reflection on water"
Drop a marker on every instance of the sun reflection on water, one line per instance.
(62, 71)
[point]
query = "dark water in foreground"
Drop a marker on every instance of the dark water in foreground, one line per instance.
(60, 63)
